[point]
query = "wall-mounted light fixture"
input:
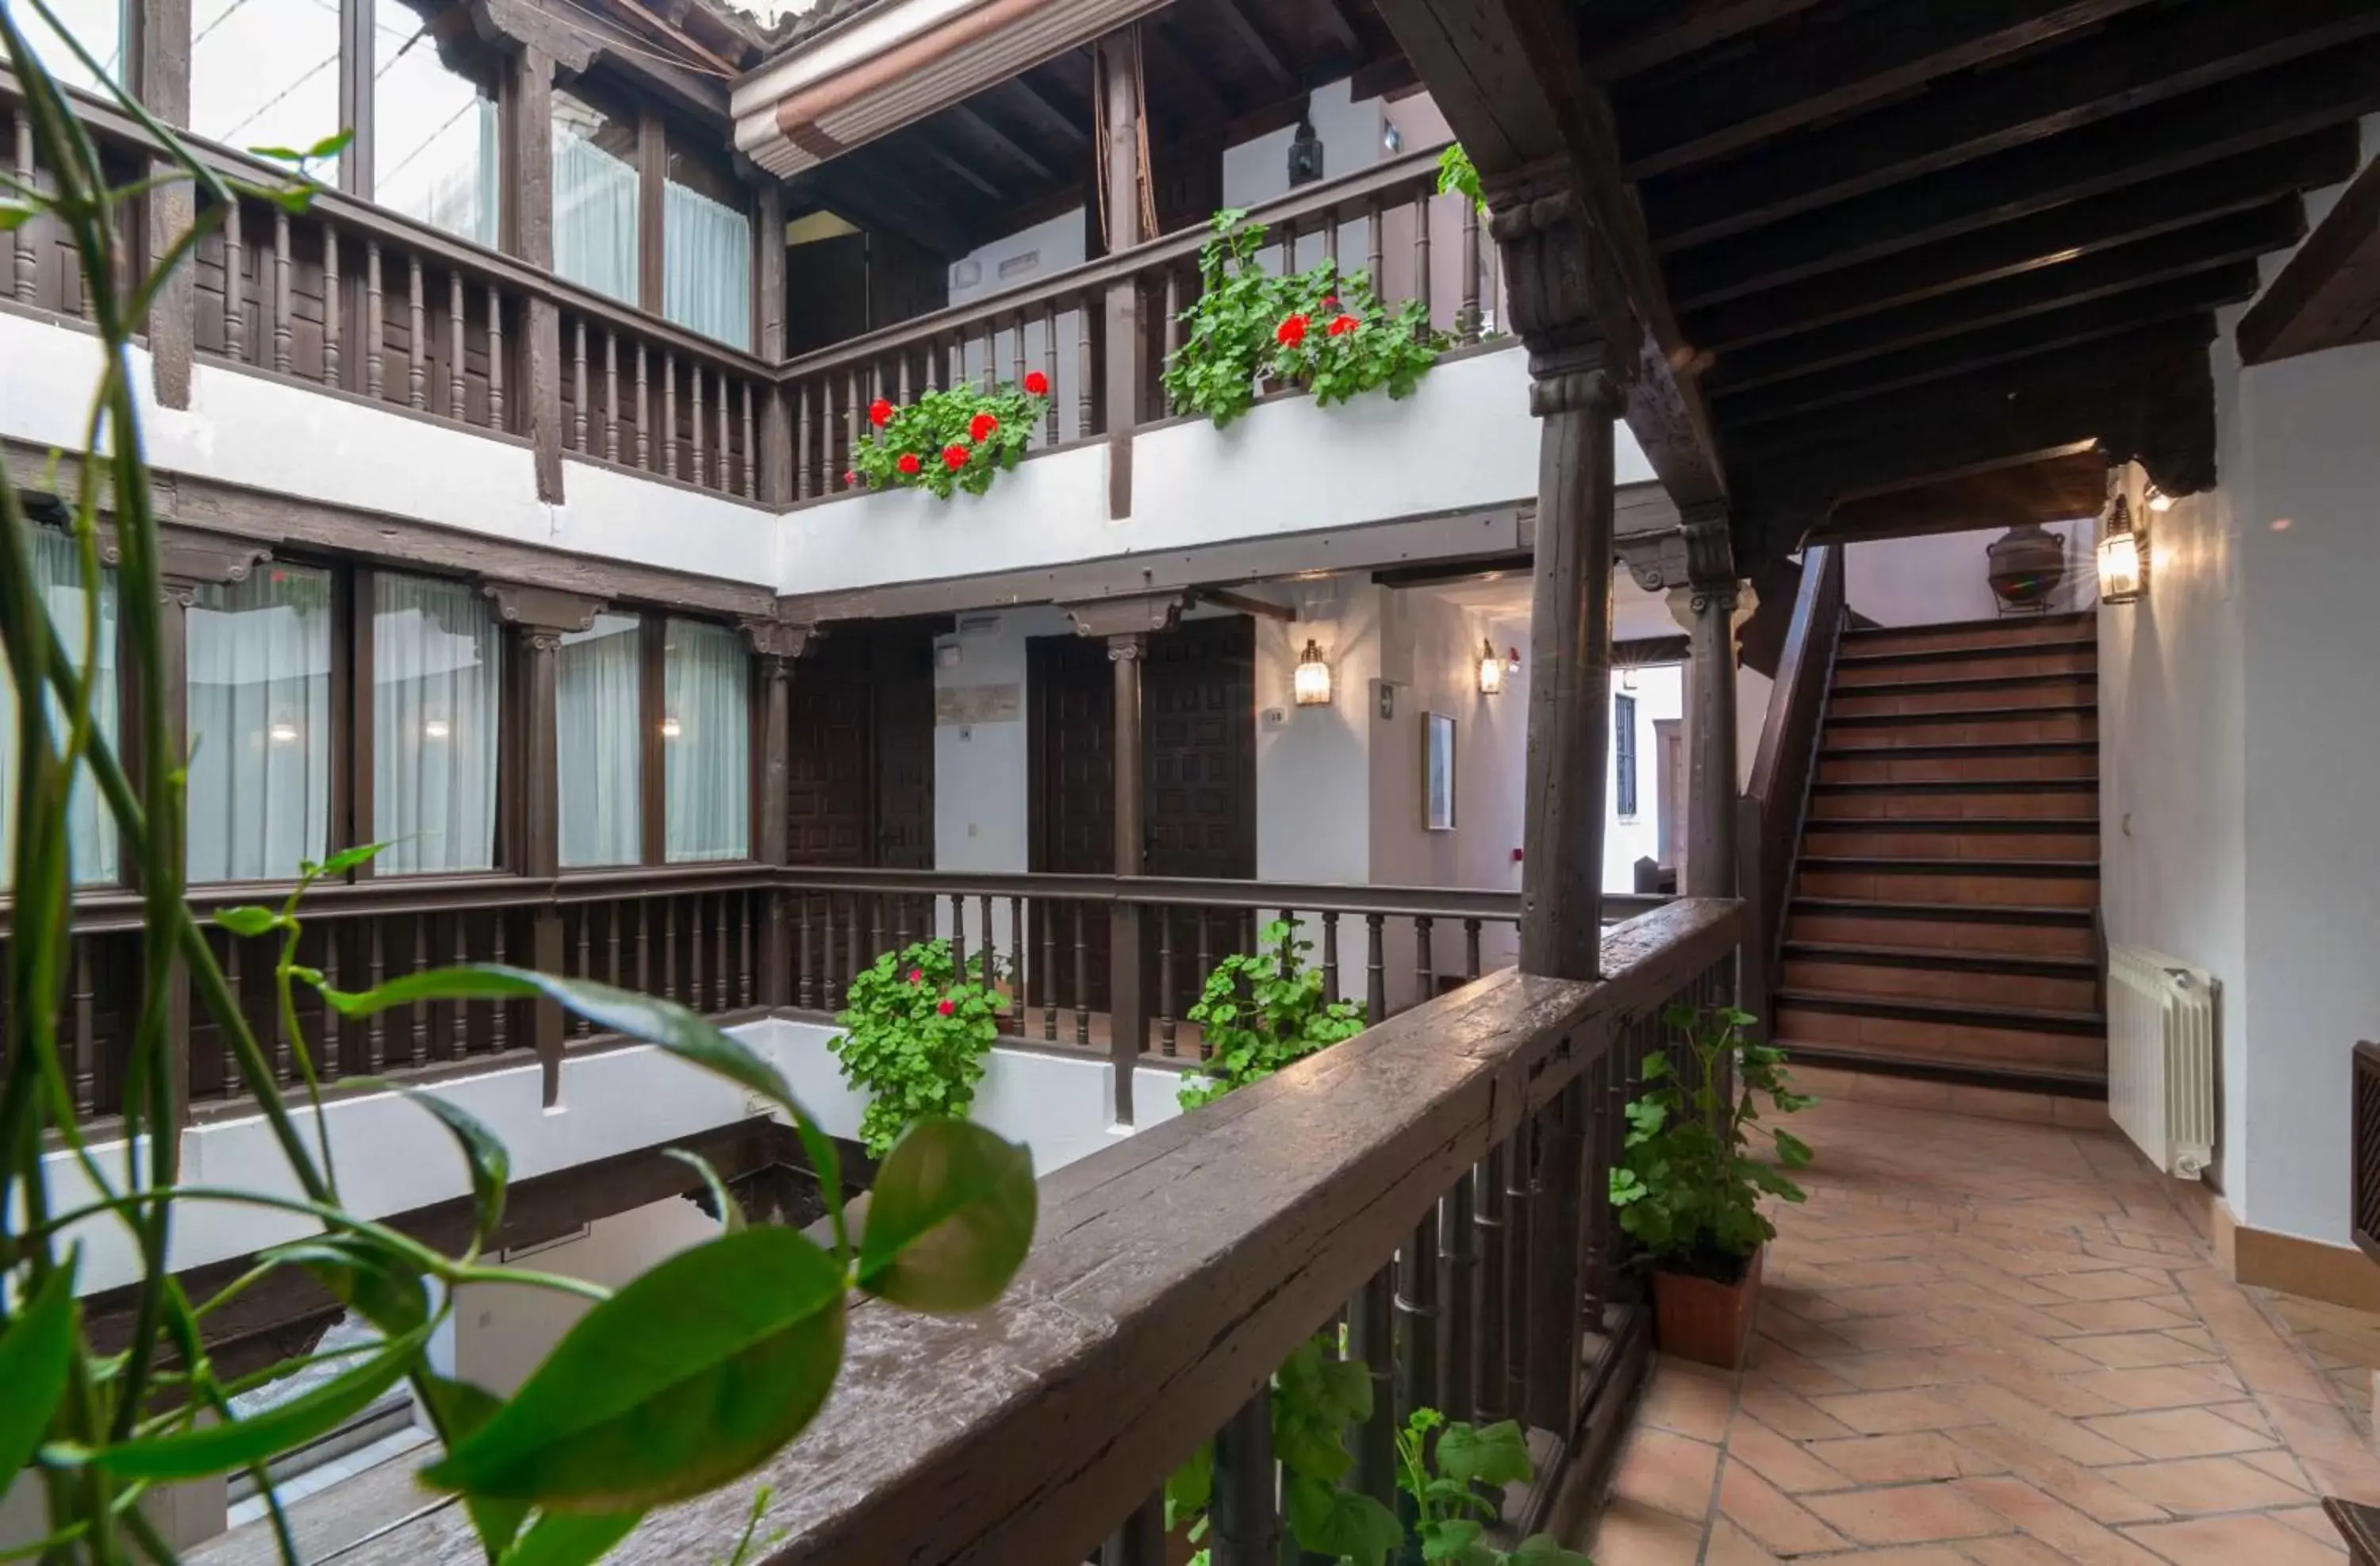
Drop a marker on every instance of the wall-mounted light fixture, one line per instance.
(436, 728)
(2158, 500)
(669, 728)
(1511, 661)
(283, 732)
(1491, 669)
(1312, 682)
(2120, 576)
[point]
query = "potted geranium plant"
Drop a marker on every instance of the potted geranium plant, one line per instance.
(1689, 1189)
(917, 1030)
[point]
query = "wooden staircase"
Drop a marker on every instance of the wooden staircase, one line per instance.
(1943, 915)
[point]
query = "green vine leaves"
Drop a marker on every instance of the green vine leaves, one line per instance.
(1454, 1475)
(1262, 1012)
(916, 1032)
(955, 439)
(1321, 329)
(1686, 1184)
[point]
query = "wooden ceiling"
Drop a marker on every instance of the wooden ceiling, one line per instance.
(1893, 245)
(1218, 71)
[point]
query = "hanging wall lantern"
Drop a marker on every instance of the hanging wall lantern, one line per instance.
(2120, 577)
(1491, 669)
(1311, 685)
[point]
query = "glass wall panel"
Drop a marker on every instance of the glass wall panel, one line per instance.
(90, 831)
(97, 25)
(437, 704)
(265, 73)
(260, 715)
(435, 149)
(600, 742)
(596, 205)
(706, 251)
(706, 740)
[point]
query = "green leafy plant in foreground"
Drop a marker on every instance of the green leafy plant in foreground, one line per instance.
(682, 1380)
(1321, 329)
(1262, 1012)
(1686, 1184)
(1455, 1475)
(916, 1032)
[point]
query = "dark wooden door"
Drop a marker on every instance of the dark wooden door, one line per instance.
(905, 753)
(861, 759)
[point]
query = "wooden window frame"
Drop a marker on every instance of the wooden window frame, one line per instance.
(1624, 799)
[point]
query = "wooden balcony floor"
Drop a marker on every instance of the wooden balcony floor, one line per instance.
(1995, 1344)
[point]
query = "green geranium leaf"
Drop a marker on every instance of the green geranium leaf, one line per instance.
(202, 1450)
(1497, 1454)
(248, 920)
(1190, 1488)
(36, 1352)
(950, 1217)
(1341, 1524)
(1544, 1549)
(346, 859)
(693, 1374)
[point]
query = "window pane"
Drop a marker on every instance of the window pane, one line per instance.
(92, 852)
(435, 149)
(600, 743)
(437, 699)
(259, 710)
(595, 198)
(97, 25)
(706, 738)
(706, 254)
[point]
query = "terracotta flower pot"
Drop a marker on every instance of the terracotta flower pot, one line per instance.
(1705, 1321)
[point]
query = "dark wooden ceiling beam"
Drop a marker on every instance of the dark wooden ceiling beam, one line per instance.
(2328, 294)
(1252, 38)
(845, 187)
(2008, 249)
(1970, 353)
(1052, 120)
(1507, 77)
(2134, 63)
(1686, 29)
(2055, 490)
(1173, 75)
(1866, 58)
(2241, 236)
(2170, 139)
(1334, 18)
(972, 123)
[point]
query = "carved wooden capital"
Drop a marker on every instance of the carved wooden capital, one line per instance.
(544, 613)
(1698, 551)
(1567, 300)
(780, 638)
(1136, 615)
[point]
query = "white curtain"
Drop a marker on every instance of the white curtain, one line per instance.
(708, 741)
(260, 713)
(437, 700)
(90, 831)
(595, 206)
(706, 265)
(599, 742)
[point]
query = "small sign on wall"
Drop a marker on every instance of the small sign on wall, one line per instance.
(965, 706)
(1388, 702)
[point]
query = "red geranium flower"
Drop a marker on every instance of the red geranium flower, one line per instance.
(1290, 332)
(955, 456)
(916, 976)
(1330, 301)
(947, 1008)
(852, 477)
(1343, 326)
(909, 463)
(879, 413)
(980, 427)
(1036, 383)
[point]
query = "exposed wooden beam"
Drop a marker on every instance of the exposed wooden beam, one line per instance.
(2054, 490)
(1169, 68)
(2134, 63)
(1043, 112)
(883, 204)
(2170, 139)
(957, 167)
(1968, 354)
(1253, 39)
(2240, 236)
(1391, 77)
(1333, 17)
(1866, 58)
(1687, 28)
(2328, 294)
(984, 130)
(1509, 79)
(2008, 249)
(680, 37)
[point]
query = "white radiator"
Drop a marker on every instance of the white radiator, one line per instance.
(2161, 1057)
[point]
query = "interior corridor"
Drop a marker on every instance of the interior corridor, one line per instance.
(1987, 1343)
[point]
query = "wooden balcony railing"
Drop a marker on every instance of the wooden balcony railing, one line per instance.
(735, 940)
(1776, 802)
(355, 300)
(1433, 1183)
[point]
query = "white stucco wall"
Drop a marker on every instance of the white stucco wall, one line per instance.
(1938, 577)
(1659, 693)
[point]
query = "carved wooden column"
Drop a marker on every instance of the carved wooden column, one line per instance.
(775, 645)
(542, 616)
(1694, 564)
(1127, 622)
(776, 453)
(1581, 356)
(1116, 59)
(529, 235)
(163, 29)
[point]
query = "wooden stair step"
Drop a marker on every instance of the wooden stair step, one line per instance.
(1890, 671)
(1854, 656)
(1960, 715)
(1883, 955)
(1962, 752)
(2032, 631)
(2079, 826)
(1980, 928)
(1971, 1013)
(2062, 869)
(2067, 1080)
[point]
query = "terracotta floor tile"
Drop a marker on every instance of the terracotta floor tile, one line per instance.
(2311, 1521)
(1995, 1448)
(1630, 1534)
(2054, 1434)
(1688, 1403)
(1794, 1372)
(2075, 1536)
(2140, 1351)
(1898, 1460)
(2234, 1541)
(2161, 1387)
(1771, 1516)
(1789, 1413)
(2177, 1432)
(1882, 1414)
(2124, 1284)
(1730, 1545)
(1789, 1466)
(2118, 1316)
(2189, 1486)
(1668, 1473)
(1907, 1514)
(2009, 1550)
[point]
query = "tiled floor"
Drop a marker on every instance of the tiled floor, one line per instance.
(1987, 1343)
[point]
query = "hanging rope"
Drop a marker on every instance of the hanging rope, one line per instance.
(1128, 41)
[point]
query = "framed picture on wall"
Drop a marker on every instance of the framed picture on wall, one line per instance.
(1436, 773)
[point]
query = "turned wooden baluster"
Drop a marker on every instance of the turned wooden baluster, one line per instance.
(1417, 1308)
(611, 397)
(1243, 1510)
(28, 282)
(419, 1046)
(1378, 250)
(1421, 259)
(1048, 974)
(669, 413)
(86, 1053)
(1017, 965)
(803, 993)
(802, 488)
(1330, 957)
(744, 950)
(416, 345)
(1490, 1374)
(1083, 413)
(376, 1030)
(611, 923)
(375, 323)
(585, 914)
(459, 406)
(501, 1011)
(331, 292)
(1470, 949)
(1082, 980)
(1459, 1254)
(695, 995)
(726, 475)
(720, 979)
(701, 474)
(854, 411)
(280, 290)
(1424, 963)
(751, 449)
(234, 287)
(1164, 980)
(1376, 985)
(495, 358)
(1470, 323)
(1205, 967)
(459, 1016)
(1049, 363)
(579, 385)
(644, 420)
